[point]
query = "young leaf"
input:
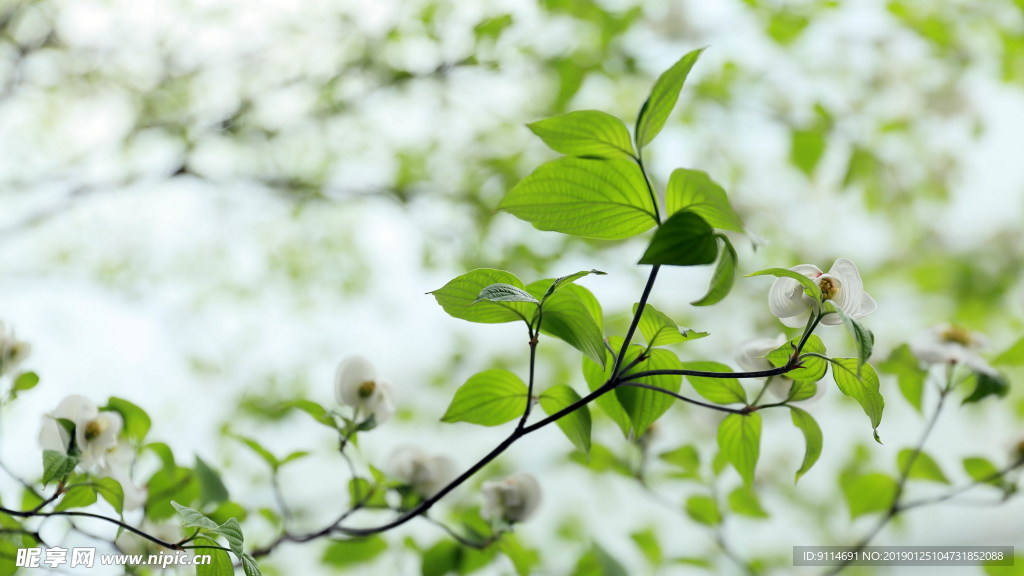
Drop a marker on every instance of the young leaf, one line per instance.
(660, 330)
(647, 542)
(810, 287)
(490, 398)
(744, 502)
(345, 553)
(739, 440)
(644, 406)
(686, 459)
(316, 411)
(663, 98)
(924, 467)
(685, 239)
(703, 510)
(78, 496)
(211, 487)
(57, 465)
(136, 421)
(695, 191)
(568, 318)
(111, 491)
(605, 199)
(909, 374)
(596, 376)
(868, 493)
(812, 368)
(717, 390)
(459, 298)
(812, 439)
(982, 470)
(862, 387)
(1012, 356)
(558, 283)
(25, 381)
(576, 425)
(724, 276)
(588, 133)
(249, 566)
(260, 451)
(863, 338)
(504, 293)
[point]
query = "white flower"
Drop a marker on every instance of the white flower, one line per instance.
(118, 465)
(426, 475)
(356, 385)
(947, 344)
(12, 351)
(95, 432)
(751, 356)
(512, 499)
(131, 543)
(841, 284)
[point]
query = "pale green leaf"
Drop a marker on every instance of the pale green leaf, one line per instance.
(577, 424)
(57, 465)
(739, 440)
(567, 317)
(660, 330)
(909, 374)
(560, 282)
(862, 385)
(869, 493)
(717, 390)
(77, 496)
(924, 467)
(346, 553)
(644, 406)
(136, 420)
(696, 192)
(704, 510)
(459, 298)
(589, 133)
(490, 398)
(663, 98)
(743, 501)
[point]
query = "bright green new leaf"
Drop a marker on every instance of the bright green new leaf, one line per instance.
(806, 148)
(260, 451)
(745, 502)
(704, 510)
(739, 440)
(1012, 356)
(987, 385)
(596, 376)
(647, 541)
(812, 368)
(685, 239)
(77, 496)
(605, 199)
(862, 386)
(695, 191)
(577, 424)
(717, 390)
(924, 467)
(57, 465)
(490, 398)
(868, 493)
(813, 439)
(111, 491)
(686, 459)
(810, 287)
(982, 470)
(316, 411)
(211, 487)
(663, 98)
(345, 553)
(558, 283)
(136, 420)
(459, 298)
(644, 406)
(724, 276)
(504, 293)
(567, 317)
(588, 133)
(660, 330)
(909, 374)
(25, 381)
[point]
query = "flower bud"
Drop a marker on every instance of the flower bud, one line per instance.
(425, 475)
(512, 499)
(356, 384)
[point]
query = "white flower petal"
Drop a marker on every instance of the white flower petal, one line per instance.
(352, 373)
(786, 297)
(798, 321)
(750, 355)
(513, 499)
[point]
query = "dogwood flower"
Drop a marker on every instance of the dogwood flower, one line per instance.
(512, 499)
(356, 384)
(751, 356)
(118, 465)
(841, 284)
(948, 344)
(426, 475)
(12, 351)
(96, 432)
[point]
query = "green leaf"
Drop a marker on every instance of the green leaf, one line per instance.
(863, 338)
(558, 283)
(250, 566)
(316, 411)
(724, 276)
(605, 199)
(810, 287)
(522, 558)
(696, 192)
(813, 368)
(813, 440)
(575, 425)
(663, 98)
(598, 562)
(25, 381)
(459, 298)
(211, 487)
(717, 390)
(232, 532)
(589, 133)
(192, 518)
(1012, 356)
(112, 492)
(686, 459)
(168, 485)
(220, 562)
(744, 502)
(703, 510)
(567, 317)
(77, 496)
(505, 293)
(924, 466)
(660, 330)
(862, 387)
(685, 239)
(806, 148)
(643, 406)
(345, 553)
(982, 470)
(136, 420)
(739, 440)
(868, 493)
(260, 451)
(490, 398)
(363, 493)
(909, 374)
(987, 385)
(647, 541)
(440, 559)
(57, 465)
(595, 377)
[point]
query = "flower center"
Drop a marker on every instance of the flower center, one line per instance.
(828, 287)
(957, 335)
(366, 389)
(93, 429)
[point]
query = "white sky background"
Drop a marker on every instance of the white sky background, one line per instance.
(129, 290)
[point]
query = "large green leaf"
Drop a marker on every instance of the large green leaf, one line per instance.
(489, 398)
(739, 440)
(868, 493)
(659, 329)
(717, 390)
(605, 199)
(924, 467)
(663, 98)
(695, 191)
(861, 385)
(813, 439)
(459, 298)
(812, 368)
(568, 318)
(590, 133)
(645, 406)
(596, 376)
(576, 425)
(909, 374)
(685, 239)
(724, 276)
